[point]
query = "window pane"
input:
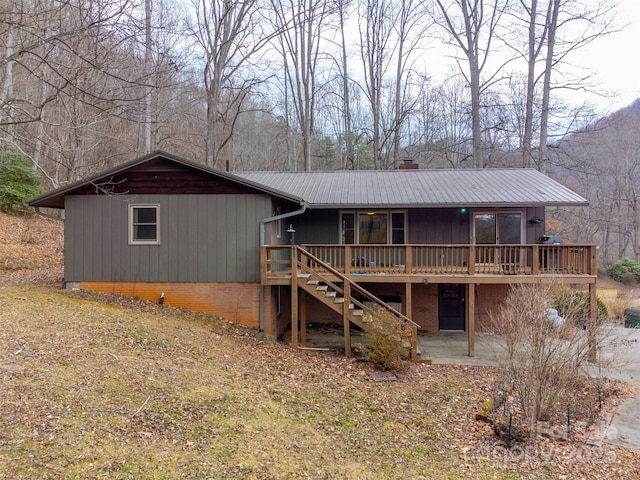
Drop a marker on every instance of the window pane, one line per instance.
(372, 228)
(397, 220)
(485, 227)
(348, 230)
(397, 237)
(144, 232)
(509, 228)
(144, 215)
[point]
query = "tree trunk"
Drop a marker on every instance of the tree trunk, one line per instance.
(552, 25)
(348, 135)
(527, 140)
(149, 75)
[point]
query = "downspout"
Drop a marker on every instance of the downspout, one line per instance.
(263, 222)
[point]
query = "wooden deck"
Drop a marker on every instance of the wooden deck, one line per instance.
(441, 263)
(342, 269)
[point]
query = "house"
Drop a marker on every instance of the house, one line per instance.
(438, 249)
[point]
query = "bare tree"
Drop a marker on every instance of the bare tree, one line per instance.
(230, 33)
(554, 30)
(37, 34)
(472, 27)
(301, 24)
(342, 6)
(376, 26)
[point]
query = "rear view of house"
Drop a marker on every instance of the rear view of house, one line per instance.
(439, 248)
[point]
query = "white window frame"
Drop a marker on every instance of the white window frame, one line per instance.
(132, 240)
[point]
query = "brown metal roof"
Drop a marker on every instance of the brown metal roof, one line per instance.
(420, 188)
(55, 198)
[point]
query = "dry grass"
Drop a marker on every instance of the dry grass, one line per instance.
(129, 389)
(95, 390)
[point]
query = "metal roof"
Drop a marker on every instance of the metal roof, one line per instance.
(374, 188)
(420, 188)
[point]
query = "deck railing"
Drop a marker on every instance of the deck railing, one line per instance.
(441, 259)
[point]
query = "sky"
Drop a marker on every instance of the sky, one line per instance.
(615, 59)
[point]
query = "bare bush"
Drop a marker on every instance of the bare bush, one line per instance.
(388, 350)
(543, 355)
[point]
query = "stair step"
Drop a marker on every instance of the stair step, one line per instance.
(358, 313)
(322, 288)
(330, 294)
(313, 282)
(304, 275)
(339, 300)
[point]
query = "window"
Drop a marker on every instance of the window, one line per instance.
(372, 227)
(144, 224)
(498, 228)
(397, 228)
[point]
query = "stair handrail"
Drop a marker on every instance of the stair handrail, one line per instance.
(354, 286)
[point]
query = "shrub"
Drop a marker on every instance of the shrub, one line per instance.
(18, 181)
(543, 361)
(624, 266)
(573, 306)
(388, 336)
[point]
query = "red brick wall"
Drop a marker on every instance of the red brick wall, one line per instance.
(488, 298)
(425, 307)
(236, 302)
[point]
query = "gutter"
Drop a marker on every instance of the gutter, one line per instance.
(263, 222)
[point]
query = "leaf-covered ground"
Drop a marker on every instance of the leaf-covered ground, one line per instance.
(97, 386)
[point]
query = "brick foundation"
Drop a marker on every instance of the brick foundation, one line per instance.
(236, 302)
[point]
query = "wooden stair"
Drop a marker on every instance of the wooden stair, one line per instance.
(345, 297)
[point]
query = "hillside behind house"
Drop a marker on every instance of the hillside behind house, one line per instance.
(31, 249)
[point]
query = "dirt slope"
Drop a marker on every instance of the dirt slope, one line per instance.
(31, 249)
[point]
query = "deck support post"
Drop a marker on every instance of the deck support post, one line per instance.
(294, 298)
(470, 316)
(345, 316)
(593, 322)
(408, 307)
(303, 318)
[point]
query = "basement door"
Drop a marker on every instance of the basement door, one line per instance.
(451, 310)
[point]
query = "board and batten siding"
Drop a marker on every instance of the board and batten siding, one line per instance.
(203, 238)
(435, 226)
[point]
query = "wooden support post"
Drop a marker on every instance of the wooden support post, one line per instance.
(294, 298)
(593, 323)
(303, 318)
(471, 268)
(470, 316)
(408, 304)
(346, 313)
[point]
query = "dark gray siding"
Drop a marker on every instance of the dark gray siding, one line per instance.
(438, 226)
(424, 226)
(203, 238)
(316, 226)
